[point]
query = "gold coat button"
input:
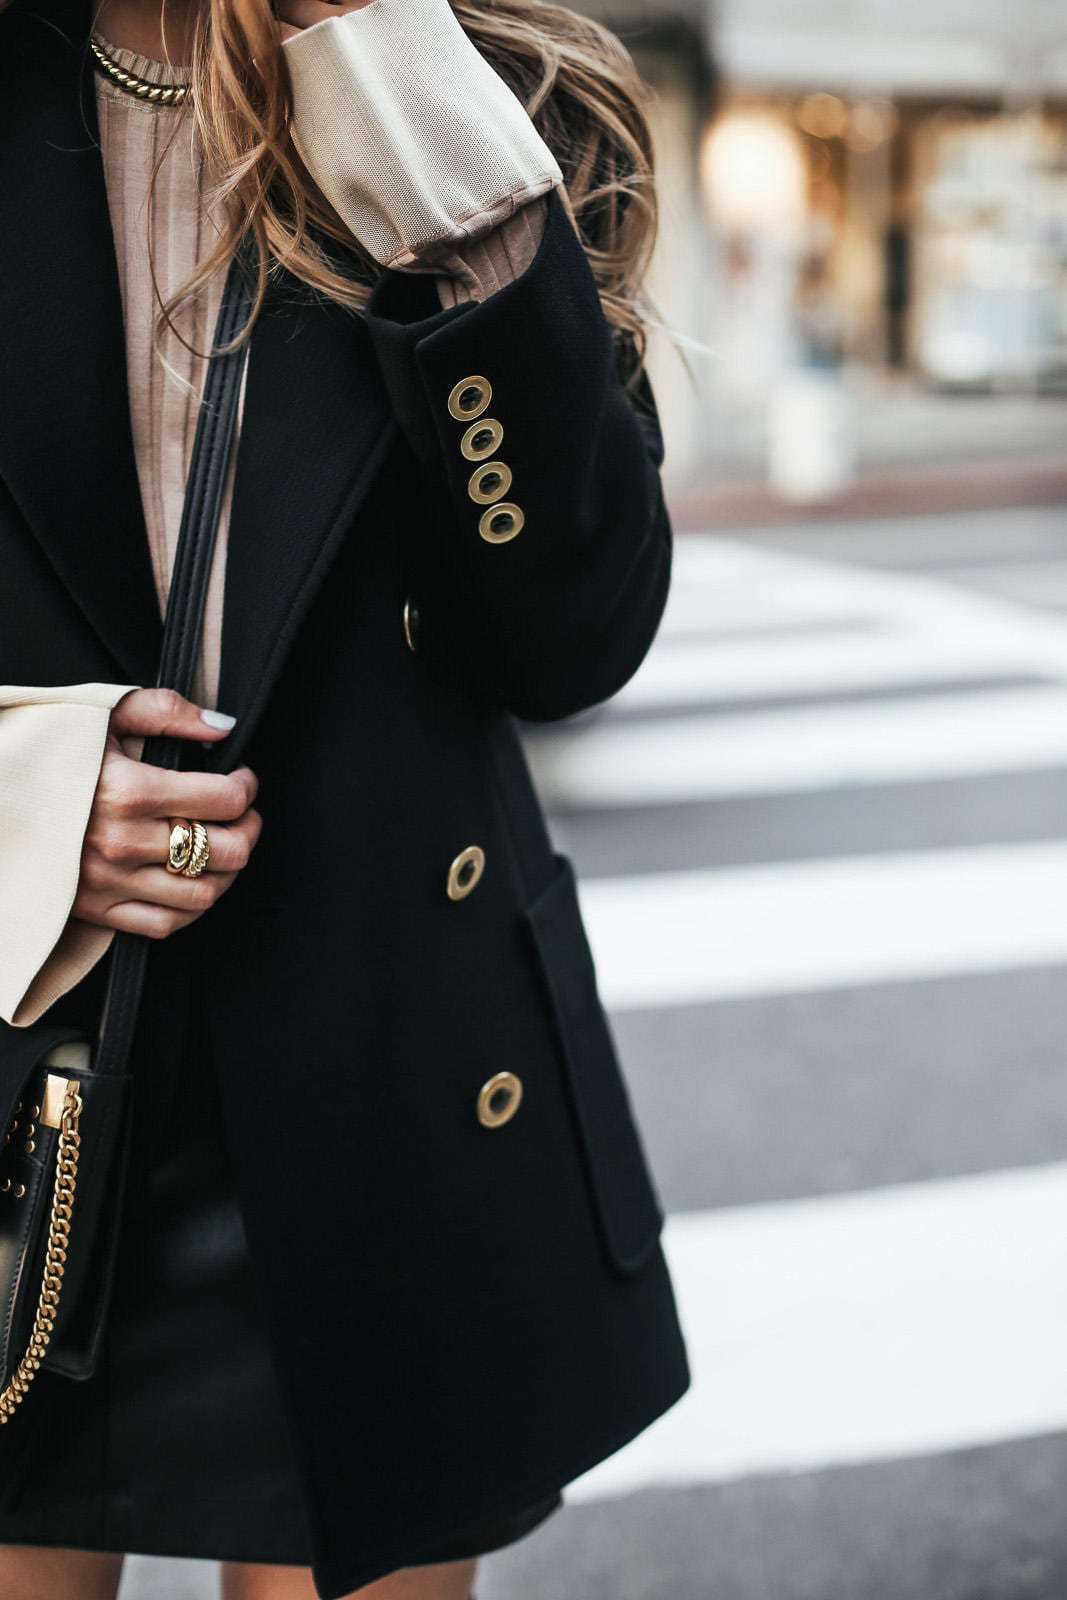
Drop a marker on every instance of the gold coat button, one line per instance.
(411, 623)
(465, 872)
(501, 522)
(481, 439)
(489, 482)
(499, 1098)
(469, 398)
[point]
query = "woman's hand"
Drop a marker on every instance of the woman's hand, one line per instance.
(123, 882)
(296, 15)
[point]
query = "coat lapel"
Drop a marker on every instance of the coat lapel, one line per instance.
(316, 421)
(315, 430)
(66, 451)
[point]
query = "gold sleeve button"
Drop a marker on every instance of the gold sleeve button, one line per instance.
(465, 871)
(499, 1099)
(482, 439)
(501, 522)
(469, 398)
(489, 482)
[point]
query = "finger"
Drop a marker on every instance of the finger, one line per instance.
(165, 711)
(156, 886)
(114, 849)
(149, 791)
(100, 891)
(229, 846)
(130, 916)
(305, 13)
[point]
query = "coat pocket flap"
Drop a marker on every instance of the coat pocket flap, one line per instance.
(626, 1201)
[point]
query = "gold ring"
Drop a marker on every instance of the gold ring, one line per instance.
(201, 853)
(180, 847)
(188, 850)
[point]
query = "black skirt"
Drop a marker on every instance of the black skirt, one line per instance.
(177, 1446)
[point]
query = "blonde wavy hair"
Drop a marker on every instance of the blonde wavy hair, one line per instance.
(579, 86)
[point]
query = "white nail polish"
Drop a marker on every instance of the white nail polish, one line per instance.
(218, 719)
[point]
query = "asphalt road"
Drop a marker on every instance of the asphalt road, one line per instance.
(822, 846)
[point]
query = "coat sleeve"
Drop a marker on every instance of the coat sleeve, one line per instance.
(51, 748)
(554, 599)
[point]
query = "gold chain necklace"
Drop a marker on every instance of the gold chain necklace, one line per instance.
(164, 94)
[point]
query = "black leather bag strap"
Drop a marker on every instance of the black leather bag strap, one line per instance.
(183, 624)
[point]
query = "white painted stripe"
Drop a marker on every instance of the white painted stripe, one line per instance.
(1039, 583)
(619, 763)
(930, 630)
(679, 938)
(931, 539)
(865, 1327)
(694, 610)
(722, 585)
(703, 672)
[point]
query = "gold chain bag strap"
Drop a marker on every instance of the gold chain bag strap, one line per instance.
(61, 1114)
(64, 1159)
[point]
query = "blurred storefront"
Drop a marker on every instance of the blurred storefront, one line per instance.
(671, 42)
(879, 188)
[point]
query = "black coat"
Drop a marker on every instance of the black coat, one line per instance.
(463, 1317)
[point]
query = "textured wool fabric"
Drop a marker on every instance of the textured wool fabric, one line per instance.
(408, 131)
(50, 751)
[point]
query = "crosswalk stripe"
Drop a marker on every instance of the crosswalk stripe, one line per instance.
(864, 1327)
(925, 541)
(683, 938)
(703, 672)
(694, 612)
(773, 752)
(719, 585)
(1039, 583)
(900, 628)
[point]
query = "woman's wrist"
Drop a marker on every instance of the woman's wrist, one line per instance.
(297, 16)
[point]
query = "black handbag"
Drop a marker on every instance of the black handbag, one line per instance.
(64, 1161)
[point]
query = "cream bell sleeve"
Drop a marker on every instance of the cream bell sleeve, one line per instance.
(51, 749)
(419, 144)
